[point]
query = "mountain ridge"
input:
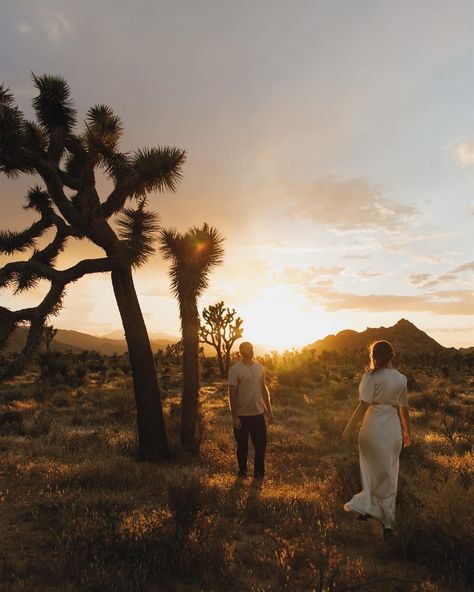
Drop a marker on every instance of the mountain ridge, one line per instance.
(404, 336)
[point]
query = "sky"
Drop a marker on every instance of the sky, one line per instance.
(330, 142)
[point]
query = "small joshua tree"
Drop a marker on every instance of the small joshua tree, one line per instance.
(67, 202)
(193, 255)
(49, 333)
(222, 329)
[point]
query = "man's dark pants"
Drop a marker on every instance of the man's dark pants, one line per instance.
(255, 426)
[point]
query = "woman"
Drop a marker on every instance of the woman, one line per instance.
(382, 391)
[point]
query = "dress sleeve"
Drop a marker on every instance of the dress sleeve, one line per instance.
(403, 396)
(367, 388)
(233, 378)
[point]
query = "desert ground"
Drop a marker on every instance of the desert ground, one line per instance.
(78, 511)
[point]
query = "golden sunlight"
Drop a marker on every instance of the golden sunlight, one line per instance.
(279, 319)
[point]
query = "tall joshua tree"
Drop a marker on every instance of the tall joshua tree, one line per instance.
(193, 255)
(221, 330)
(67, 201)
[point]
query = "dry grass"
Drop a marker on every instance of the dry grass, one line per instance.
(81, 513)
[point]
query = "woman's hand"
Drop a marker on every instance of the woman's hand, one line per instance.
(236, 423)
(407, 441)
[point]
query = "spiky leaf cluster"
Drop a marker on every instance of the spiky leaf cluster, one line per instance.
(11, 242)
(137, 229)
(14, 158)
(53, 106)
(103, 130)
(193, 255)
(156, 169)
(37, 199)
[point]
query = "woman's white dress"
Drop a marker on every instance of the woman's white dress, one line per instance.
(380, 443)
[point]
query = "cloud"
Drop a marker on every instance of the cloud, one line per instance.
(464, 267)
(465, 152)
(323, 293)
(24, 28)
(347, 205)
(57, 27)
(465, 329)
(311, 275)
(419, 279)
(460, 302)
(431, 259)
(368, 274)
(355, 256)
(406, 240)
(428, 280)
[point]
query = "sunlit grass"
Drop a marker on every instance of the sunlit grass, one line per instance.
(71, 486)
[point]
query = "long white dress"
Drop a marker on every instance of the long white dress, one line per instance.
(380, 443)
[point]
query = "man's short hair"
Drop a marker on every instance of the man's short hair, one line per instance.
(244, 344)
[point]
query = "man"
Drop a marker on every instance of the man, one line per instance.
(249, 399)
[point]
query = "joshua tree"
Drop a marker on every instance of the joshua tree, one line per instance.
(49, 333)
(68, 202)
(192, 256)
(222, 329)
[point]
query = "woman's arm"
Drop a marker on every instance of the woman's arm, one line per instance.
(405, 417)
(355, 419)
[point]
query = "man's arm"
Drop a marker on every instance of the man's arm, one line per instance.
(233, 393)
(266, 400)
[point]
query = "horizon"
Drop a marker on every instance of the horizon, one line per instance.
(337, 162)
(259, 347)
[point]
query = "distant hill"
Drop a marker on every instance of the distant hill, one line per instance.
(119, 334)
(76, 341)
(404, 336)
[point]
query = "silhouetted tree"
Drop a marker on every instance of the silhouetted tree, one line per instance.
(222, 329)
(193, 255)
(174, 352)
(49, 333)
(69, 203)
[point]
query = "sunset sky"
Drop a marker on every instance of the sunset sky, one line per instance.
(331, 143)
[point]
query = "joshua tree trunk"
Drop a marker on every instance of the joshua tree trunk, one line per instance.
(190, 397)
(152, 441)
(220, 363)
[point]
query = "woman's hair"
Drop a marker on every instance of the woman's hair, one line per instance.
(380, 354)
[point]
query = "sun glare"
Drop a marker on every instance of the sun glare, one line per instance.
(280, 320)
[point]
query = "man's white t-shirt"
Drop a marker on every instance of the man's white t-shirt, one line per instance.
(249, 380)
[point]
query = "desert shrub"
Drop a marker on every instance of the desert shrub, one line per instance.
(345, 478)
(109, 545)
(424, 400)
(11, 422)
(328, 426)
(58, 368)
(185, 499)
(339, 390)
(434, 531)
(456, 426)
(312, 561)
(38, 424)
(208, 368)
(14, 392)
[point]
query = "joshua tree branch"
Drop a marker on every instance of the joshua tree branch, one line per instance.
(116, 200)
(54, 185)
(50, 305)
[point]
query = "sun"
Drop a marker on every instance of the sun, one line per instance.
(281, 319)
